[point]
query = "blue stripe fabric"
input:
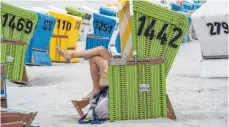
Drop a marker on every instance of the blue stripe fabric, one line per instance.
(95, 42)
(118, 44)
(187, 6)
(176, 7)
(106, 11)
(42, 58)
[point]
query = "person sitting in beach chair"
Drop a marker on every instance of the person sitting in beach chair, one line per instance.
(98, 60)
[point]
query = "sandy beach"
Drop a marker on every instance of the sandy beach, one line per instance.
(198, 102)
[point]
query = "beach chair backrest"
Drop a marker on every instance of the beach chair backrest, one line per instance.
(114, 43)
(157, 32)
(107, 11)
(87, 21)
(65, 34)
(210, 23)
(78, 13)
(39, 44)
(74, 11)
(17, 28)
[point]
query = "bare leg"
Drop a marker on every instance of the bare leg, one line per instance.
(98, 51)
(97, 57)
(96, 64)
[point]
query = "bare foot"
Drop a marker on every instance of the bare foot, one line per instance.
(67, 55)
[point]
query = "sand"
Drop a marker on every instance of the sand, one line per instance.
(198, 102)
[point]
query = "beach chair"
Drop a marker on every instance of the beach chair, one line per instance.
(100, 28)
(78, 13)
(75, 11)
(17, 29)
(12, 116)
(38, 50)
(65, 35)
(210, 23)
(114, 44)
(13, 124)
(137, 87)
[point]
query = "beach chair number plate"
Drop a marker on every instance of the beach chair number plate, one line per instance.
(20, 24)
(66, 25)
(9, 59)
(149, 32)
(77, 26)
(144, 87)
(103, 26)
(47, 25)
(216, 26)
(87, 17)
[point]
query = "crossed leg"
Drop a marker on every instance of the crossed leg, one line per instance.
(98, 51)
(97, 59)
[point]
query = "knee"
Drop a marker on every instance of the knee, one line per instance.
(102, 49)
(92, 59)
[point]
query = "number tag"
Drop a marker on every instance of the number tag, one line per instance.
(47, 25)
(144, 87)
(66, 25)
(9, 59)
(162, 35)
(87, 17)
(77, 26)
(20, 24)
(101, 26)
(216, 27)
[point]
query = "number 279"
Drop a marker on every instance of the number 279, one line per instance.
(218, 27)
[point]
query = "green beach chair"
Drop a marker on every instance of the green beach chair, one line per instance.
(137, 87)
(17, 27)
(75, 11)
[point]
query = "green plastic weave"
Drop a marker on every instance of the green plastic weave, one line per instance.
(126, 102)
(14, 70)
(74, 11)
(147, 48)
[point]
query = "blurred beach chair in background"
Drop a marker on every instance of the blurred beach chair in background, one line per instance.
(114, 44)
(38, 50)
(65, 35)
(79, 13)
(211, 26)
(101, 28)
